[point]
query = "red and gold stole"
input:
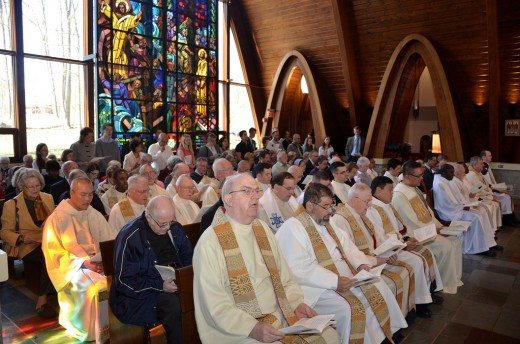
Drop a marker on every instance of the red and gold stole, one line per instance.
(372, 294)
(241, 286)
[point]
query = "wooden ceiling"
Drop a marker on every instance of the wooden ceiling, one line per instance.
(348, 45)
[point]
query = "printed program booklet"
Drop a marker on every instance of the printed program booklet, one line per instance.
(309, 325)
(391, 246)
(425, 234)
(365, 277)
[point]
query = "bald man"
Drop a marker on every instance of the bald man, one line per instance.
(160, 152)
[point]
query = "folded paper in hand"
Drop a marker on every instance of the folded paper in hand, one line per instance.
(364, 277)
(391, 246)
(456, 227)
(309, 325)
(307, 180)
(425, 234)
(476, 188)
(167, 272)
(499, 187)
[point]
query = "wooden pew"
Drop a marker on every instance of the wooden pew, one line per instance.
(184, 281)
(120, 332)
(192, 231)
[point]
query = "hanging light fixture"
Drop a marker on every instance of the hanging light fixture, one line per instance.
(436, 143)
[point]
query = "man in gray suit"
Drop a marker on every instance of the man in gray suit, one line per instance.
(355, 145)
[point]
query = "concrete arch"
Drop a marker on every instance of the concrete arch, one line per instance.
(396, 93)
(294, 59)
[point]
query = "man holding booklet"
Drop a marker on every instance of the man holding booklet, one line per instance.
(139, 295)
(324, 261)
(409, 202)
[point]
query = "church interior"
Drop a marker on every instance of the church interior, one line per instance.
(414, 76)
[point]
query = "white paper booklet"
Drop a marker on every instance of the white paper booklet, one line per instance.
(456, 227)
(425, 234)
(476, 188)
(499, 187)
(391, 246)
(309, 325)
(472, 204)
(167, 272)
(307, 180)
(365, 277)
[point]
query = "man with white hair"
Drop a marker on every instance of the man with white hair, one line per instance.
(281, 164)
(263, 175)
(117, 191)
(63, 185)
(131, 206)
(398, 275)
(178, 170)
(339, 172)
(323, 260)
(297, 173)
(450, 206)
(70, 244)
(160, 152)
(186, 210)
(277, 204)
(238, 302)
(409, 202)
(362, 175)
(151, 174)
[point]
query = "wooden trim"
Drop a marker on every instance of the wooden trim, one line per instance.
(494, 77)
(294, 59)
(388, 97)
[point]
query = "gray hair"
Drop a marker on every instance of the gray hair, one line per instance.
(231, 181)
(76, 173)
(79, 180)
(181, 178)
(474, 160)
(172, 161)
(363, 161)
(217, 165)
(280, 153)
(176, 167)
(136, 179)
(147, 157)
(357, 189)
(23, 174)
(26, 157)
(4, 159)
(142, 168)
(158, 203)
(66, 167)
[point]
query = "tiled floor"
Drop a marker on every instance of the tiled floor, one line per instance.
(485, 310)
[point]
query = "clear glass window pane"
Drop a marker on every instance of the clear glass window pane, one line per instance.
(62, 36)
(6, 92)
(54, 97)
(7, 145)
(236, 73)
(5, 25)
(241, 117)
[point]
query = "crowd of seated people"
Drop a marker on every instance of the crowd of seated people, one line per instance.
(284, 230)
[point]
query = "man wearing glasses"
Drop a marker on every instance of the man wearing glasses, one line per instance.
(324, 260)
(409, 202)
(139, 295)
(277, 204)
(132, 205)
(340, 174)
(235, 263)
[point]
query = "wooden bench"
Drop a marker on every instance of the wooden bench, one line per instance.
(193, 232)
(184, 280)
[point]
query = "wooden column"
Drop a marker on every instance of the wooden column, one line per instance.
(494, 78)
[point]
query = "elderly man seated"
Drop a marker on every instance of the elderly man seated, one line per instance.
(363, 176)
(139, 295)
(178, 170)
(478, 238)
(297, 173)
(70, 244)
(235, 262)
(151, 174)
(186, 211)
(132, 205)
(278, 204)
(324, 260)
(117, 191)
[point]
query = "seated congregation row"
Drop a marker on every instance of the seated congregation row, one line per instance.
(322, 256)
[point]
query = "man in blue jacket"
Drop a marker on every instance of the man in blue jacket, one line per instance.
(139, 295)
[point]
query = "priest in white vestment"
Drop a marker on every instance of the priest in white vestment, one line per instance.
(151, 175)
(179, 169)
(478, 238)
(387, 222)
(70, 244)
(339, 172)
(393, 169)
(320, 284)
(116, 191)
(220, 317)
(490, 179)
(409, 202)
(132, 205)
(263, 175)
(186, 210)
(277, 203)
(492, 208)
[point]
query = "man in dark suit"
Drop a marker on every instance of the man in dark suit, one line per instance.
(430, 161)
(355, 145)
(63, 185)
(201, 167)
(252, 135)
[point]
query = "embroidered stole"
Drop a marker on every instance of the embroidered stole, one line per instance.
(419, 206)
(393, 272)
(112, 197)
(241, 286)
(372, 294)
(126, 209)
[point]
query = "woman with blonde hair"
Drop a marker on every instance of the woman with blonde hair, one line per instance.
(22, 220)
(185, 151)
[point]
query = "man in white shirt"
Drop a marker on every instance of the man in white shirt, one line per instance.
(132, 205)
(186, 210)
(339, 172)
(117, 191)
(277, 204)
(324, 261)
(274, 145)
(263, 175)
(160, 152)
(478, 238)
(393, 169)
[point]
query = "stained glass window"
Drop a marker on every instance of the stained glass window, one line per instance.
(157, 66)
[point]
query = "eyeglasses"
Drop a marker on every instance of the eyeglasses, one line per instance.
(162, 225)
(364, 201)
(416, 176)
(33, 187)
(331, 207)
(248, 191)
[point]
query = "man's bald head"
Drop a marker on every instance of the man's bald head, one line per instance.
(180, 169)
(222, 168)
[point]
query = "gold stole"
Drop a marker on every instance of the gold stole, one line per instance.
(126, 209)
(420, 208)
(112, 198)
(372, 294)
(397, 276)
(241, 286)
(387, 225)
